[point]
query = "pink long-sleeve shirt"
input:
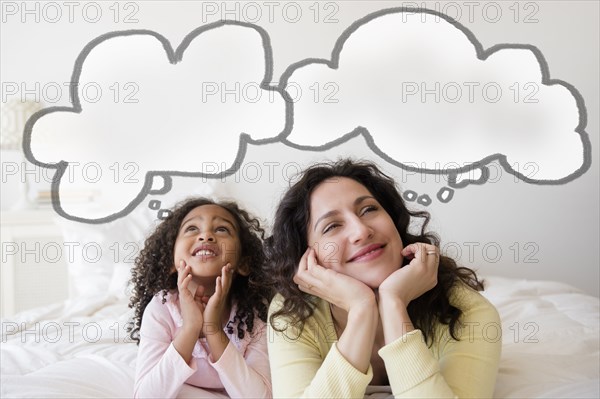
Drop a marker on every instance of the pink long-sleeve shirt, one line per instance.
(242, 371)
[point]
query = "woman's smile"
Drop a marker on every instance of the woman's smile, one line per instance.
(368, 253)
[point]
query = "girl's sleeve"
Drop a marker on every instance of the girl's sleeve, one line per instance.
(303, 366)
(466, 368)
(160, 369)
(246, 375)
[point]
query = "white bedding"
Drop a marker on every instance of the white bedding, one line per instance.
(550, 334)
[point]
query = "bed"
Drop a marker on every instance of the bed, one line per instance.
(550, 329)
(79, 348)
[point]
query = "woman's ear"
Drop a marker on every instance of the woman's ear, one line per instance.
(244, 267)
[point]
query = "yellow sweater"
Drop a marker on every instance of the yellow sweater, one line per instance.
(309, 365)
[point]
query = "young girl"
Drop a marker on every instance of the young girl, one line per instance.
(364, 301)
(199, 314)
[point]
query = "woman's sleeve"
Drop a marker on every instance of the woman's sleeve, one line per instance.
(160, 369)
(466, 368)
(248, 375)
(299, 370)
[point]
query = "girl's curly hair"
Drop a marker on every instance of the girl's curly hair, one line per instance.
(153, 270)
(289, 241)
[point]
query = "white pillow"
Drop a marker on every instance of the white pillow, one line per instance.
(97, 248)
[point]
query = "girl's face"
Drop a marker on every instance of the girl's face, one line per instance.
(352, 233)
(207, 240)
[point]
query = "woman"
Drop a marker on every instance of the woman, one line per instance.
(363, 301)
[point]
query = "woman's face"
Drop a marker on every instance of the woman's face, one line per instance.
(352, 233)
(207, 240)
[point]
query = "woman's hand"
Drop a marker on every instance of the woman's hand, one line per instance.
(216, 304)
(336, 288)
(404, 285)
(416, 278)
(355, 342)
(191, 303)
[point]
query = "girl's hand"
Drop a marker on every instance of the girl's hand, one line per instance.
(338, 289)
(192, 306)
(416, 278)
(217, 302)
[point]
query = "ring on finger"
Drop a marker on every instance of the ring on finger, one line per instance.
(432, 252)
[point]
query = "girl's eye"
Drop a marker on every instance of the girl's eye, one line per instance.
(190, 228)
(222, 229)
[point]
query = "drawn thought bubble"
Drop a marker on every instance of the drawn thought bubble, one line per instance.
(190, 111)
(429, 98)
(418, 86)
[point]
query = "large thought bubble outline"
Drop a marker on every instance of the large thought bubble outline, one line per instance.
(482, 54)
(175, 56)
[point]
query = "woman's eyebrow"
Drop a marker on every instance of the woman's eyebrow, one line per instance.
(362, 198)
(324, 216)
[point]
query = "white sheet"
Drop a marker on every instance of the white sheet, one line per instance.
(74, 351)
(550, 340)
(550, 335)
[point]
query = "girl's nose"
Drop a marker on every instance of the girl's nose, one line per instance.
(206, 236)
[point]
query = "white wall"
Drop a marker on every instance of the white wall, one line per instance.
(542, 232)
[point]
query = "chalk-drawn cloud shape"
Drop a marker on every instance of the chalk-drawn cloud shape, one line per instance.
(427, 97)
(142, 109)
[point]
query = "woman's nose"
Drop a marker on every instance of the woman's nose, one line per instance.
(359, 230)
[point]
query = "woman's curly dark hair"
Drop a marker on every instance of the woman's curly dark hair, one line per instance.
(289, 241)
(153, 271)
